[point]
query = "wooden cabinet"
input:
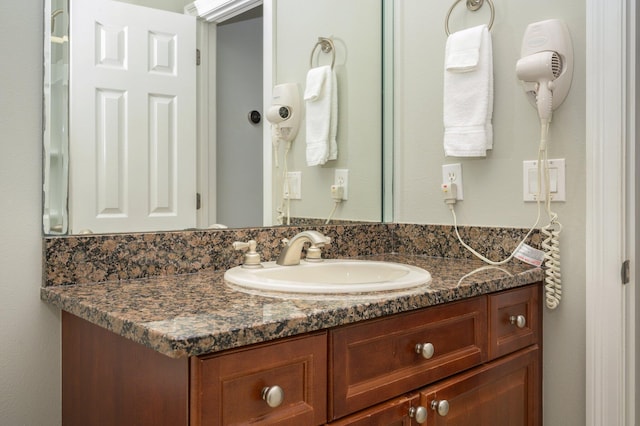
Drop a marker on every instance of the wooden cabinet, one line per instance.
(481, 355)
(505, 392)
(281, 383)
(377, 360)
(397, 412)
(514, 320)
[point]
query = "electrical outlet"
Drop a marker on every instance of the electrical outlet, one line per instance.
(452, 173)
(341, 178)
(293, 186)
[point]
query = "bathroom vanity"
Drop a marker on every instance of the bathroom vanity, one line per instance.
(191, 350)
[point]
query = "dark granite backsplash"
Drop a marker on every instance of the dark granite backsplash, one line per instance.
(99, 258)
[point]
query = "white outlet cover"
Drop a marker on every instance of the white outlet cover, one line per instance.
(556, 181)
(341, 177)
(456, 172)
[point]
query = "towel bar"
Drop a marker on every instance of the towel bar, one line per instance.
(472, 5)
(326, 46)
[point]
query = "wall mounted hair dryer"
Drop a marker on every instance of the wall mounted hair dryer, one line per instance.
(284, 112)
(546, 65)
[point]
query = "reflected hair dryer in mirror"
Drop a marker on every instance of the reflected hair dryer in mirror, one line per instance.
(284, 112)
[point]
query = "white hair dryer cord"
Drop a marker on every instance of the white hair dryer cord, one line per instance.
(551, 232)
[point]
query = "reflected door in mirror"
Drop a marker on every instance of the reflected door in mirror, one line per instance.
(132, 118)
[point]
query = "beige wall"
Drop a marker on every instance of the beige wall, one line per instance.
(493, 186)
(29, 329)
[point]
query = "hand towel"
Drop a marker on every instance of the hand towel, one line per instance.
(321, 97)
(468, 93)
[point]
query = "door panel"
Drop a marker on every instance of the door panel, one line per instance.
(133, 145)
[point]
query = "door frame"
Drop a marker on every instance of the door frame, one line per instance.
(211, 14)
(610, 214)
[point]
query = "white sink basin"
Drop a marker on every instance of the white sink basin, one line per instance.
(330, 276)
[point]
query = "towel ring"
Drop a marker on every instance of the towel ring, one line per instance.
(326, 46)
(472, 5)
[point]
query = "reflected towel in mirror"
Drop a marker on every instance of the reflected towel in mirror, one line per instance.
(321, 98)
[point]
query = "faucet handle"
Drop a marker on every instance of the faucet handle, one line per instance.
(314, 253)
(251, 258)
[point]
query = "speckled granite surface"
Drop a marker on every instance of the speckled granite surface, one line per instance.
(102, 258)
(80, 259)
(192, 314)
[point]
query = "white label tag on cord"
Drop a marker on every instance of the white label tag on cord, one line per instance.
(529, 255)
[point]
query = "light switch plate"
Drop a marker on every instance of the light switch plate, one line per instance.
(556, 181)
(293, 189)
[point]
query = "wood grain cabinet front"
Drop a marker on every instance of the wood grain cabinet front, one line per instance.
(376, 360)
(515, 320)
(280, 383)
(397, 412)
(505, 392)
(471, 362)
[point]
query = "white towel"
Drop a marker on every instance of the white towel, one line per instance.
(321, 97)
(468, 93)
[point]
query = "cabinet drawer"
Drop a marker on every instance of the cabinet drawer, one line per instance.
(507, 332)
(390, 413)
(377, 360)
(505, 392)
(228, 388)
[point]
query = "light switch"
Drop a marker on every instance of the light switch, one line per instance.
(293, 186)
(556, 180)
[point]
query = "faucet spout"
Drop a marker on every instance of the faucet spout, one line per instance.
(290, 254)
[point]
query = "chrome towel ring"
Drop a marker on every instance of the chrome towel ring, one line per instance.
(326, 46)
(472, 5)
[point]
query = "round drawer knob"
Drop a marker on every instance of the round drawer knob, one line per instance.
(441, 407)
(425, 349)
(273, 395)
(519, 321)
(418, 413)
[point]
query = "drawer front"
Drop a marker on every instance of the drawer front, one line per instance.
(228, 388)
(396, 412)
(514, 320)
(377, 360)
(505, 392)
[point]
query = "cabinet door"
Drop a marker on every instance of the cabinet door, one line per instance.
(506, 392)
(514, 320)
(396, 412)
(231, 388)
(378, 360)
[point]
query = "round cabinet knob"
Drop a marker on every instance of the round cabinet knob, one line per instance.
(441, 407)
(425, 349)
(273, 395)
(519, 321)
(418, 413)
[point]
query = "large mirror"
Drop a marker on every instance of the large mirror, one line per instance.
(140, 138)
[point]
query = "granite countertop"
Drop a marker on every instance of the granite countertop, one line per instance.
(195, 314)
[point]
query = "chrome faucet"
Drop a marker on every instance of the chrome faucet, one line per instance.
(290, 254)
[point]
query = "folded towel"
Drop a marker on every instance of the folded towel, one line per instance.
(321, 97)
(468, 93)
(462, 52)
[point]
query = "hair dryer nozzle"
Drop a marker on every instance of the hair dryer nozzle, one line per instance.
(542, 65)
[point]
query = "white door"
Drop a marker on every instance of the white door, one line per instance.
(132, 119)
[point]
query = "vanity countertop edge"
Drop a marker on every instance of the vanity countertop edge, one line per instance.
(196, 314)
